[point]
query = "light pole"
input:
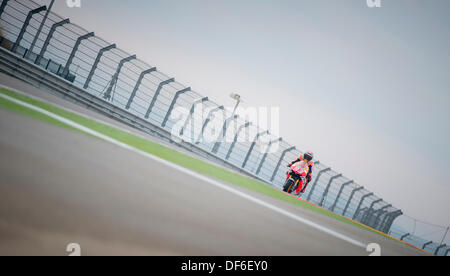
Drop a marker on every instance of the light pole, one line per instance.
(226, 123)
(238, 101)
(40, 29)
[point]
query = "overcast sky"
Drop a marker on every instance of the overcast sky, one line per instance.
(367, 89)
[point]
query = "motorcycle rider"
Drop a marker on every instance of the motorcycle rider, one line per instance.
(307, 157)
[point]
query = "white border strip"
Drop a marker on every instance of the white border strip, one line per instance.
(188, 172)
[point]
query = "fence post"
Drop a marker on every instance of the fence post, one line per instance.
(25, 25)
(207, 120)
(394, 217)
(361, 202)
(249, 153)
(3, 6)
(341, 190)
(426, 244)
(115, 77)
(223, 133)
(266, 153)
(59, 70)
(380, 213)
(138, 84)
(172, 105)
(155, 97)
(350, 199)
(38, 32)
(191, 113)
(96, 62)
(390, 220)
(404, 236)
(279, 162)
(361, 211)
(439, 248)
(315, 182)
(49, 37)
(48, 64)
(370, 211)
(384, 222)
(247, 124)
(74, 50)
(327, 189)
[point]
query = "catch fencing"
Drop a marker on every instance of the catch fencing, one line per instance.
(425, 235)
(102, 69)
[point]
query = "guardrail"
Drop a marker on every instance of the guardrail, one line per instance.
(78, 65)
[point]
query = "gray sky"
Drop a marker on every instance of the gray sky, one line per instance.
(368, 88)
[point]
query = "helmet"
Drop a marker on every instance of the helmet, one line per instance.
(308, 156)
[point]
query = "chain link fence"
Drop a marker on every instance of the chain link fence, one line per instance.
(110, 73)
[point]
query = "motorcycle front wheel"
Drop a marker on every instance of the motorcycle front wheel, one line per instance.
(289, 185)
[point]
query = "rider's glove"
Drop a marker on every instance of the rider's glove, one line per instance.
(289, 165)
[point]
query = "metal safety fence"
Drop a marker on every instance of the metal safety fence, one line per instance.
(421, 234)
(102, 69)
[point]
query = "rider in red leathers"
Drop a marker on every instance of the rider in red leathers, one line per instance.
(307, 157)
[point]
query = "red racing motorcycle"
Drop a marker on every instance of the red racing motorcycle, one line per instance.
(296, 176)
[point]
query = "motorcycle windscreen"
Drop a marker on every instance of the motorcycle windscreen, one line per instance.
(300, 168)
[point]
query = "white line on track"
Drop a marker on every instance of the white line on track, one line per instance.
(189, 172)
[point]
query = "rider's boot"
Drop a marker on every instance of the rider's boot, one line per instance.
(299, 188)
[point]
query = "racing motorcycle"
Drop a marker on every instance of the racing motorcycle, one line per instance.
(296, 176)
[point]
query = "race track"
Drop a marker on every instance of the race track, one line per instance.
(58, 187)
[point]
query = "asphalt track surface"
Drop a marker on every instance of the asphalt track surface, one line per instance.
(59, 187)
